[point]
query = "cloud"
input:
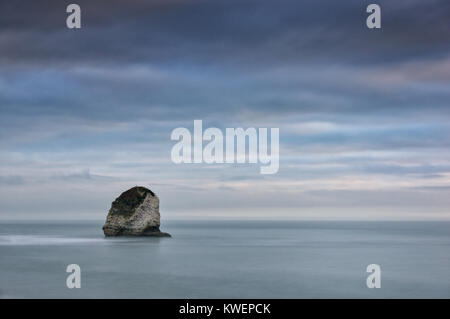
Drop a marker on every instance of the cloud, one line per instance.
(11, 180)
(363, 114)
(223, 32)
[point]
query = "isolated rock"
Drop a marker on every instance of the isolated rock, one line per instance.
(134, 213)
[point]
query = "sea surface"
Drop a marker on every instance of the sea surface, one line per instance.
(227, 259)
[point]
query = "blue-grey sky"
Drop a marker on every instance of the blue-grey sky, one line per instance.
(364, 115)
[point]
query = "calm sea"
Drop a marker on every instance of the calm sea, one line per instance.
(228, 259)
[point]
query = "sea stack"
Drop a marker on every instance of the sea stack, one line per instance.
(134, 213)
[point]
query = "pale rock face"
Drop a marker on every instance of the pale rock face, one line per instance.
(134, 213)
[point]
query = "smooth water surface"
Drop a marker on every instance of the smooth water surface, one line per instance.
(227, 259)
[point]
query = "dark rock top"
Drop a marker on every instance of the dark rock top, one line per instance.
(127, 202)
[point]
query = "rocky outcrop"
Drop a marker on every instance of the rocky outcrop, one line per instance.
(134, 213)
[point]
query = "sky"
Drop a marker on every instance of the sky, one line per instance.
(363, 115)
